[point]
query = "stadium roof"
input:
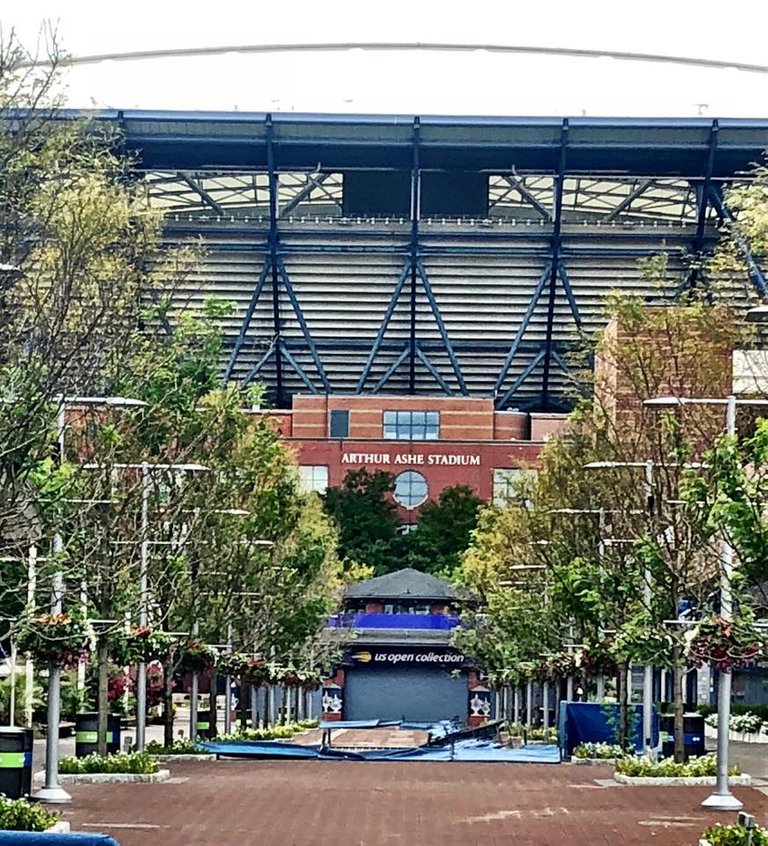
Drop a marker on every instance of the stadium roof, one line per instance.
(167, 140)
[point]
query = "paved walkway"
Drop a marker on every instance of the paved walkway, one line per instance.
(379, 804)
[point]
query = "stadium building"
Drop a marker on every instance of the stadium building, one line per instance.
(409, 288)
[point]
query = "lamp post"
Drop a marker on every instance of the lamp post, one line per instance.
(721, 799)
(52, 791)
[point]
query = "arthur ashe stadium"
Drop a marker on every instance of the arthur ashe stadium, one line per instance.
(432, 255)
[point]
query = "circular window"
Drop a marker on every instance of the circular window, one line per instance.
(410, 489)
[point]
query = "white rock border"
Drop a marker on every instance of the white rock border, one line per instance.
(186, 756)
(110, 778)
(681, 781)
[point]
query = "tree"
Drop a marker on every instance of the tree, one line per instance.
(443, 531)
(644, 353)
(366, 516)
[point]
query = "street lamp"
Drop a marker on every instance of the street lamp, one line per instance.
(52, 791)
(721, 798)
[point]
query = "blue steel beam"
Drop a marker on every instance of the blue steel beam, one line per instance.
(521, 378)
(256, 369)
(288, 287)
(755, 273)
(569, 295)
(274, 241)
(441, 326)
(302, 374)
(433, 371)
(702, 199)
(413, 249)
(392, 369)
(629, 199)
(247, 320)
(376, 346)
(514, 348)
(555, 260)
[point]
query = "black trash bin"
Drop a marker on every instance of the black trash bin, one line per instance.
(87, 736)
(15, 761)
(204, 727)
(693, 735)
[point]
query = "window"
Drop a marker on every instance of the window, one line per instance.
(412, 425)
(340, 424)
(410, 489)
(314, 477)
(506, 484)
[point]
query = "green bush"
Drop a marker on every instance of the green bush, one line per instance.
(735, 835)
(182, 746)
(135, 762)
(20, 815)
(598, 750)
(548, 735)
(275, 733)
(705, 765)
(738, 709)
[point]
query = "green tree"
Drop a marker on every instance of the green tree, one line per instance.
(366, 516)
(443, 531)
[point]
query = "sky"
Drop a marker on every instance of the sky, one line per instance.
(411, 81)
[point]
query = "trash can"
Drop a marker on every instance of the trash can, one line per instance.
(204, 728)
(693, 735)
(15, 761)
(87, 736)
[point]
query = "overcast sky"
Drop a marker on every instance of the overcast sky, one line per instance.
(413, 82)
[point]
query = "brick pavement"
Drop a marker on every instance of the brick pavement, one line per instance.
(349, 803)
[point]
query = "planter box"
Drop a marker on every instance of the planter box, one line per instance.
(681, 781)
(109, 778)
(593, 762)
(740, 736)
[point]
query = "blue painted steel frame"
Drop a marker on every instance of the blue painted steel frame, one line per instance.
(414, 271)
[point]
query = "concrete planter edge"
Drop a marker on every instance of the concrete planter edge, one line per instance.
(744, 780)
(203, 756)
(109, 778)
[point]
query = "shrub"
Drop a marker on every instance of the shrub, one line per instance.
(735, 835)
(135, 762)
(548, 735)
(20, 815)
(598, 750)
(738, 708)
(182, 746)
(749, 723)
(705, 765)
(275, 733)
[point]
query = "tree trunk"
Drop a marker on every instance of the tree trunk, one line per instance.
(168, 703)
(679, 700)
(623, 707)
(102, 698)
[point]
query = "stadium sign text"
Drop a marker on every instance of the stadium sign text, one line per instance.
(415, 459)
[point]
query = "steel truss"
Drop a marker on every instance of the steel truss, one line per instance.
(544, 228)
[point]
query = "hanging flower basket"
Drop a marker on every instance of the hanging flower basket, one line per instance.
(144, 644)
(64, 639)
(598, 660)
(724, 645)
(196, 657)
(234, 664)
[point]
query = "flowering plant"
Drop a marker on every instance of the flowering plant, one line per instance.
(723, 644)
(65, 639)
(598, 660)
(145, 644)
(196, 657)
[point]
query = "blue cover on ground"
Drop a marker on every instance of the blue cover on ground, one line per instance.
(359, 724)
(42, 838)
(462, 750)
(598, 722)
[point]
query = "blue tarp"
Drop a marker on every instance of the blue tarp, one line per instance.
(597, 722)
(462, 750)
(42, 838)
